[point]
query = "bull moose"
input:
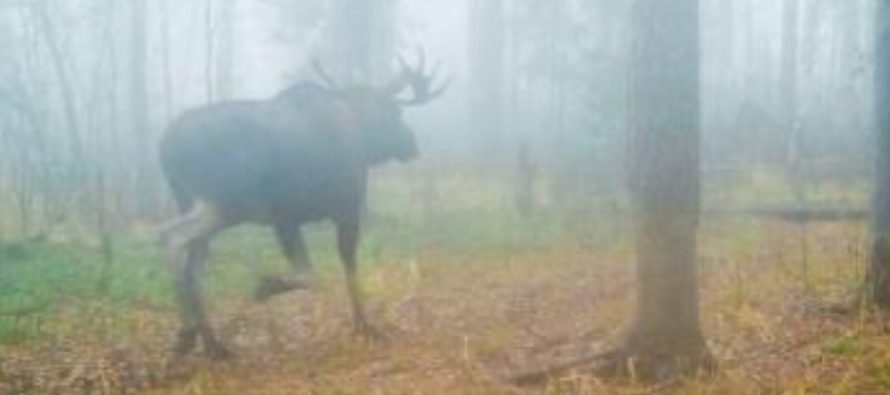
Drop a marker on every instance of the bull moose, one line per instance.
(298, 157)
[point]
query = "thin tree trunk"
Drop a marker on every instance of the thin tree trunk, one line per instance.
(209, 51)
(486, 69)
(103, 175)
(138, 110)
(789, 76)
(524, 195)
(139, 69)
(225, 56)
(72, 121)
(878, 280)
(165, 59)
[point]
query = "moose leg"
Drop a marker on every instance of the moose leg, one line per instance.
(347, 244)
(294, 247)
(187, 245)
(190, 309)
(290, 238)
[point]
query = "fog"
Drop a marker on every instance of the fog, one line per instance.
(553, 77)
(679, 148)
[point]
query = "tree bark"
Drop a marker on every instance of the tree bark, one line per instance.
(664, 339)
(878, 280)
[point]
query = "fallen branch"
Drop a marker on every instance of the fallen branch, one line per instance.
(797, 214)
(24, 311)
(537, 377)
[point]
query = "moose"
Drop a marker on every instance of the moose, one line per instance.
(300, 156)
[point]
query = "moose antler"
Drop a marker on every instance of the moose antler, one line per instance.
(418, 80)
(323, 75)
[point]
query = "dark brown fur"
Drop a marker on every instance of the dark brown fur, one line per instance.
(299, 157)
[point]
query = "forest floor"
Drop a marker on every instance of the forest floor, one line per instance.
(464, 323)
(468, 293)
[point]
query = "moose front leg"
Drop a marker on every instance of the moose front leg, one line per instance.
(290, 238)
(347, 246)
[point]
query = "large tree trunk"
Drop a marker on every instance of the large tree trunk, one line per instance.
(879, 272)
(665, 338)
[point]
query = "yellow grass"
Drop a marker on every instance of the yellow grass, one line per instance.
(461, 323)
(460, 326)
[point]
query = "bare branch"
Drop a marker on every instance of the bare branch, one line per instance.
(323, 75)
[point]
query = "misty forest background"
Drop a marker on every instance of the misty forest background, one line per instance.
(88, 87)
(522, 180)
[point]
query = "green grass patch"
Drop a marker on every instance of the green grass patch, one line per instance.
(843, 345)
(44, 277)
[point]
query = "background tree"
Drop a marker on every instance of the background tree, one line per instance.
(879, 271)
(486, 70)
(665, 338)
(361, 38)
(789, 77)
(138, 100)
(226, 31)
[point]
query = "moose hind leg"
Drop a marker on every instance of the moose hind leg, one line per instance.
(188, 301)
(188, 241)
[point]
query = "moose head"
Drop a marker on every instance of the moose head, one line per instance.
(375, 112)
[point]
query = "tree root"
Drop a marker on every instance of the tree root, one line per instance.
(541, 376)
(628, 363)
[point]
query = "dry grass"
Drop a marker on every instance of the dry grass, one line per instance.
(459, 324)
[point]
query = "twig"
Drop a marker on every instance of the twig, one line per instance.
(540, 376)
(23, 311)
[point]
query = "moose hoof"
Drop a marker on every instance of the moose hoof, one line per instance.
(370, 333)
(215, 351)
(186, 340)
(273, 286)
